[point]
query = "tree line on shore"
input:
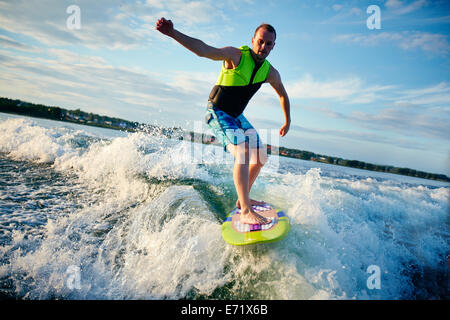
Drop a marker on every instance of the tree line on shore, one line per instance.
(307, 155)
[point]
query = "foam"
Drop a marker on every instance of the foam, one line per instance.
(173, 248)
(134, 232)
(24, 140)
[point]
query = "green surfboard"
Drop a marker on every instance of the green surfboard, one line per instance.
(236, 233)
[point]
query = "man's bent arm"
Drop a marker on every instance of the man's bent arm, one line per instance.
(275, 81)
(197, 46)
(285, 106)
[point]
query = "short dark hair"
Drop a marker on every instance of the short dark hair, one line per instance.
(266, 27)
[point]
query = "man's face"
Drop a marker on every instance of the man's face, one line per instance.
(263, 42)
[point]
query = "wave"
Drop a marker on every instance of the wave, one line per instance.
(139, 217)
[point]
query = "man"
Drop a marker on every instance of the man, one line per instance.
(243, 72)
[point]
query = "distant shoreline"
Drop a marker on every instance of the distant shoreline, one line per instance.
(19, 107)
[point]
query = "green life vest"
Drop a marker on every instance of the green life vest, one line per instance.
(235, 87)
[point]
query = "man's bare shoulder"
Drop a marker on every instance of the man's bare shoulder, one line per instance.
(231, 50)
(225, 53)
(231, 56)
(273, 76)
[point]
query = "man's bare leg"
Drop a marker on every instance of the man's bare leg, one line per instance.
(258, 157)
(254, 170)
(242, 182)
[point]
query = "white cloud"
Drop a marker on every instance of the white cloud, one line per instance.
(437, 96)
(351, 89)
(72, 80)
(343, 14)
(437, 43)
(367, 40)
(310, 88)
(193, 82)
(355, 134)
(399, 8)
(407, 119)
(113, 24)
(355, 11)
(102, 24)
(419, 112)
(155, 3)
(7, 42)
(393, 4)
(192, 12)
(429, 42)
(69, 57)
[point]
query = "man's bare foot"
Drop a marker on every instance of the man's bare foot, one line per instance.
(251, 217)
(252, 202)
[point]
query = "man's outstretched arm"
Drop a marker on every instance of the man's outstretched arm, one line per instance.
(197, 46)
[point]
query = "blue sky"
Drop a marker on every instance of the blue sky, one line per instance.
(380, 95)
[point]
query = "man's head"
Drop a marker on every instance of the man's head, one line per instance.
(263, 40)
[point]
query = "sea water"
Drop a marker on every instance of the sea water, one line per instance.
(92, 213)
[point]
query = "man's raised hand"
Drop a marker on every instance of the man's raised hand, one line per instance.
(164, 26)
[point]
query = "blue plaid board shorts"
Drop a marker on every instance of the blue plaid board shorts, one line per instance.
(228, 129)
